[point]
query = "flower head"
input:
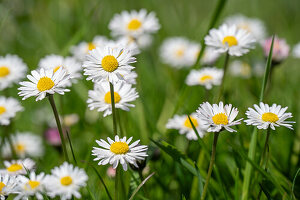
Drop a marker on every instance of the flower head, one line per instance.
(280, 49)
(265, 116)
(16, 167)
(44, 82)
(8, 184)
(8, 109)
(12, 70)
(119, 150)
(296, 50)
(240, 68)
(230, 39)
(218, 117)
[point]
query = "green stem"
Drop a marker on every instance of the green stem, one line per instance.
(224, 75)
(51, 100)
(113, 108)
(119, 123)
(117, 183)
(265, 154)
(211, 164)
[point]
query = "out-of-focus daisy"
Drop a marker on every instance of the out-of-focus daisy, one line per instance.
(134, 23)
(65, 181)
(100, 97)
(210, 56)
(25, 144)
(8, 185)
(54, 62)
(230, 39)
(70, 120)
(265, 116)
(207, 77)
(119, 150)
(252, 25)
(31, 187)
(144, 41)
(296, 50)
(240, 68)
(44, 82)
(81, 50)
(12, 70)
(108, 64)
(183, 124)
(8, 109)
(16, 167)
(280, 49)
(125, 43)
(218, 117)
(178, 52)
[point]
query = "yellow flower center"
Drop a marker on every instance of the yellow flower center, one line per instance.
(188, 124)
(179, 53)
(220, 118)
(134, 24)
(205, 78)
(119, 147)
(230, 40)
(107, 98)
(91, 46)
(2, 110)
(2, 185)
(33, 184)
(56, 68)
(67, 180)
(109, 63)
(4, 71)
(269, 117)
(14, 167)
(44, 84)
(20, 148)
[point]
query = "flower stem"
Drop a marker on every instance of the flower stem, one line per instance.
(113, 108)
(224, 75)
(51, 100)
(117, 183)
(265, 155)
(119, 122)
(211, 164)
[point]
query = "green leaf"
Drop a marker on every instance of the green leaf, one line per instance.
(200, 181)
(100, 178)
(139, 187)
(294, 181)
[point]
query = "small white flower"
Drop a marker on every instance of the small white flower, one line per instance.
(240, 68)
(144, 41)
(296, 50)
(82, 49)
(125, 43)
(8, 109)
(70, 120)
(100, 97)
(12, 70)
(25, 144)
(32, 186)
(265, 116)
(16, 167)
(218, 117)
(8, 185)
(54, 62)
(44, 82)
(210, 56)
(119, 150)
(65, 181)
(207, 77)
(252, 25)
(183, 124)
(230, 39)
(134, 23)
(108, 64)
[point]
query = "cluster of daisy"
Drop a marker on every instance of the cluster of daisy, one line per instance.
(218, 117)
(20, 179)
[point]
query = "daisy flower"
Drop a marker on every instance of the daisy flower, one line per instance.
(31, 186)
(12, 70)
(8, 109)
(255, 26)
(8, 185)
(240, 68)
(119, 150)
(108, 64)
(16, 167)
(296, 50)
(210, 56)
(44, 82)
(178, 52)
(265, 116)
(206, 77)
(280, 49)
(134, 23)
(230, 39)
(125, 43)
(218, 117)
(144, 41)
(82, 49)
(65, 181)
(25, 144)
(100, 97)
(54, 62)
(183, 124)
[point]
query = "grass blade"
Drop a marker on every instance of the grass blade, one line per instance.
(71, 147)
(100, 178)
(142, 183)
(294, 181)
